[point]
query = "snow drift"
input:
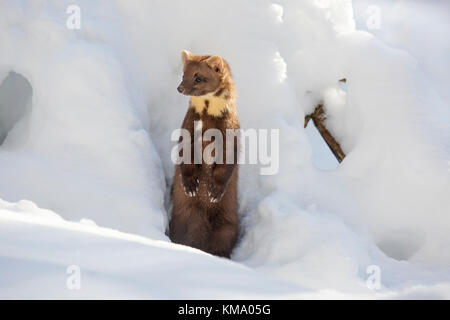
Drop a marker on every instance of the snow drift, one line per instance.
(94, 142)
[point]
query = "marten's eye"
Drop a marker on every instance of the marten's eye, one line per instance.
(198, 79)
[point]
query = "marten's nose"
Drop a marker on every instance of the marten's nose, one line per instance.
(180, 88)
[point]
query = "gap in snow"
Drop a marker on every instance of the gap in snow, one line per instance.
(401, 244)
(322, 157)
(15, 100)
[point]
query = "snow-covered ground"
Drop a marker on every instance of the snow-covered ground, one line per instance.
(85, 163)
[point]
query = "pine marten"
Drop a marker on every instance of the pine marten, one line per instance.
(204, 195)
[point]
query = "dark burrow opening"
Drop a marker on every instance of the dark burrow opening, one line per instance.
(15, 101)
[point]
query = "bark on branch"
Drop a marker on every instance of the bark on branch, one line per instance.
(318, 117)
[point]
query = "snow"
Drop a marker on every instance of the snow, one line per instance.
(113, 264)
(91, 153)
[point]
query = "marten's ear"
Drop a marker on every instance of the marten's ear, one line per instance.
(215, 63)
(185, 56)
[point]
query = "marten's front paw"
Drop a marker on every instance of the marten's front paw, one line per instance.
(215, 192)
(190, 186)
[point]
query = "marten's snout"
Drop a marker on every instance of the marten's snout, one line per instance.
(180, 88)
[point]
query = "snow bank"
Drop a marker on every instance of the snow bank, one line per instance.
(96, 143)
(84, 150)
(38, 249)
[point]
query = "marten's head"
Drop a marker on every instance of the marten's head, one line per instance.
(203, 75)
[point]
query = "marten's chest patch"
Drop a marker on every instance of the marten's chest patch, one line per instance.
(215, 106)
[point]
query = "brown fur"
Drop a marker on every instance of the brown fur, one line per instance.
(207, 220)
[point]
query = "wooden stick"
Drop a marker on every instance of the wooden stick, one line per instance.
(318, 117)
